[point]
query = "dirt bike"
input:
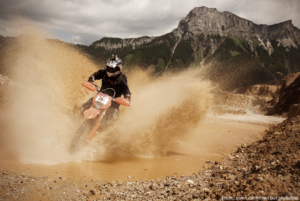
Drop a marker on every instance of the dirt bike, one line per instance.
(94, 115)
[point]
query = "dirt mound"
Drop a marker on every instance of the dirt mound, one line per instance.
(262, 90)
(288, 95)
(294, 110)
(268, 167)
(253, 98)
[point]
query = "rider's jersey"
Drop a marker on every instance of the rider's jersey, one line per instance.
(118, 83)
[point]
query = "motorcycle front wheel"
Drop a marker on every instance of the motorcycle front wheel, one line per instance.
(80, 138)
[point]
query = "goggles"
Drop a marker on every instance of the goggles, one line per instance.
(112, 70)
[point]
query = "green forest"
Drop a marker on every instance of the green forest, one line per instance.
(225, 58)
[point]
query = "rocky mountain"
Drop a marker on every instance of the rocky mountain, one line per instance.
(227, 46)
(211, 21)
(232, 51)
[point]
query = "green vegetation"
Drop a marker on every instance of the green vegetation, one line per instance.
(177, 63)
(128, 58)
(149, 53)
(234, 53)
(235, 63)
(281, 62)
(160, 66)
(207, 52)
(247, 47)
(183, 55)
(232, 70)
(201, 37)
(197, 58)
(144, 55)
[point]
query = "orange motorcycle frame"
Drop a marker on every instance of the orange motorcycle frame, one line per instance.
(93, 112)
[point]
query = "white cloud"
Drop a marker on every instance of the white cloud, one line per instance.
(84, 21)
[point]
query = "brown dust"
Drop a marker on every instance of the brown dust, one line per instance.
(43, 115)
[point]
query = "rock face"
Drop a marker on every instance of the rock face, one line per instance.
(289, 79)
(262, 90)
(254, 98)
(203, 20)
(211, 21)
(252, 102)
(121, 43)
(294, 110)
(288, 94)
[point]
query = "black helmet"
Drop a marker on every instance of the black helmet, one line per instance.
(114, 66)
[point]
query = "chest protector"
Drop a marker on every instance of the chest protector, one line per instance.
(117, 80)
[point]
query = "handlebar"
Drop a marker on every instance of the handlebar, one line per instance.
(109, 89)
(95, 88)
(98, 89)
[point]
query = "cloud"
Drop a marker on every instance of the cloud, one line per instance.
(84, 21)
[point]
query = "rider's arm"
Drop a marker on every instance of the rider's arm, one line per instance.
(97, 75)
(125, 89)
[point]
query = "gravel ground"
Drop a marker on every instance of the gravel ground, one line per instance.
(268, 169)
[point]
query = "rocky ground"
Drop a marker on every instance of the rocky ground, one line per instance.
(268, 169)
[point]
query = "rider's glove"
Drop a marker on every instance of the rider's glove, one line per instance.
(127, 96)
(91, 79)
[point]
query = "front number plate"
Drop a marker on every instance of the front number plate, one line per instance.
(102, 98)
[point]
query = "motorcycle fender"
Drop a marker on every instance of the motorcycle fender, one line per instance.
(91, 113)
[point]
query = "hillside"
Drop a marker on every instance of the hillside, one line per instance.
(228, 46)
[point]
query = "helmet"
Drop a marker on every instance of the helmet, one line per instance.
(114, 66)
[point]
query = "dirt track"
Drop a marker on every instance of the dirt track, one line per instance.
(211, 142)
(267, 169)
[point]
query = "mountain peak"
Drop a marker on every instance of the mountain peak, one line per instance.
(200, 12)
(211, 21)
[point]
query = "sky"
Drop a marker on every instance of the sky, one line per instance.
(85, 21)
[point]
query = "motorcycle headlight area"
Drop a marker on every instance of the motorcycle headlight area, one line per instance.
(101, 100)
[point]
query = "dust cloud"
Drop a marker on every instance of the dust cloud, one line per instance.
(43, 116)
(49, 74)
(163, 111)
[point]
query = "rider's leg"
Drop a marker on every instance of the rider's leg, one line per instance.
(86, 105)
(112, 114)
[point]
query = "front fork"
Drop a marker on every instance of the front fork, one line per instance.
(97, 124)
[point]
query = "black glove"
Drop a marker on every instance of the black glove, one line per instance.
(91, 79)
(127, 96)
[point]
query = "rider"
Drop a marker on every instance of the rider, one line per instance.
(112, 77)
